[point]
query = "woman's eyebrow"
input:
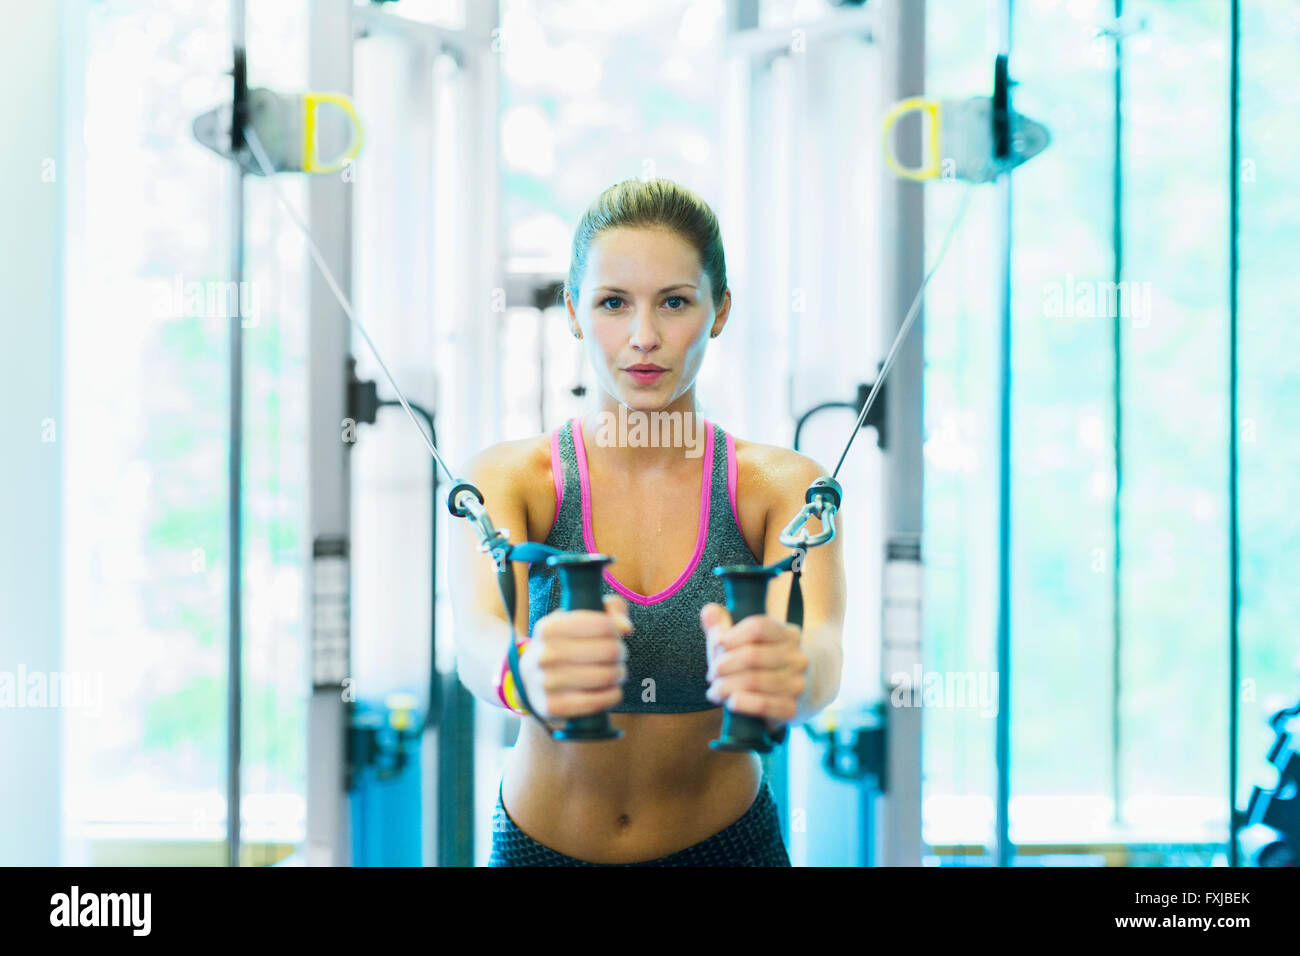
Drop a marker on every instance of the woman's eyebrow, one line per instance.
(667, 288)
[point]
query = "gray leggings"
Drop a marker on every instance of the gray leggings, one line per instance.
(753, 840)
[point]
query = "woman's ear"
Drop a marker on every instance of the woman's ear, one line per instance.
(720, 316)
(570, 306)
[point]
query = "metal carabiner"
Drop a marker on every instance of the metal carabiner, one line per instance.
(823, 500)
(820, 509)
(801, 539)
(465, 501)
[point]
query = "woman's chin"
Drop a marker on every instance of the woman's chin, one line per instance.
(644, 402)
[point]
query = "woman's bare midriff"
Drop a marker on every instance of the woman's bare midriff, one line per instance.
(661, 787)
(657, 790)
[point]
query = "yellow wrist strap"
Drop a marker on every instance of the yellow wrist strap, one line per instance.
(510, 693)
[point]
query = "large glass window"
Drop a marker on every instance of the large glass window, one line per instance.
(274, 759)
(147, 410)
(1173, 477)
(1120, 382)
(593, 94)
(960, 544)
(149, 308)
(1269, 404)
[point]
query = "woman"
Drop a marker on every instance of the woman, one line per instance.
(646, 291)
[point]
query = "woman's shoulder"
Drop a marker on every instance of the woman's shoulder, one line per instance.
(516, 457)
(775, 462)
(773, 474)
(519, 467)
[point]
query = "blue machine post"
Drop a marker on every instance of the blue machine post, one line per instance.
(384, 792)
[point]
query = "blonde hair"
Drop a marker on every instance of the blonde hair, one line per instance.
(634, 203)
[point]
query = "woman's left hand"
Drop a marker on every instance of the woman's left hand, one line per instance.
(755, 667)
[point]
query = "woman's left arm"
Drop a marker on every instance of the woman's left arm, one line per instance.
(763, 666)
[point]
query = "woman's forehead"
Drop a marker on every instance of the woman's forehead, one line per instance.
(655, 257)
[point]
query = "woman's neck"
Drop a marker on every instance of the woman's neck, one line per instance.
(629, 439)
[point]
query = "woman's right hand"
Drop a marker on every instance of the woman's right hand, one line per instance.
(576, 662)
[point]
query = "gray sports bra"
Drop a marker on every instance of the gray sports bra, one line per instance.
(667, 662)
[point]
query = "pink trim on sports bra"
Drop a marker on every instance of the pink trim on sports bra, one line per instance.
(557, 474)
(732, 485)
(731, 478)
(589, 537)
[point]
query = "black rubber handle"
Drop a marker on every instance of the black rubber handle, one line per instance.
(580, 591)
(746, 593)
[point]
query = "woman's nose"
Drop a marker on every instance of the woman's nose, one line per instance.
(644, 334)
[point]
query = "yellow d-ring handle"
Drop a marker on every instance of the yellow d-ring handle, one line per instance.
(896, 112)
(310, 161)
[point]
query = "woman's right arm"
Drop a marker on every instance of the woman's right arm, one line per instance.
(577, 663)
(480, 630)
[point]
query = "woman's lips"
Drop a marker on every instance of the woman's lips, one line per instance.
(645, 376)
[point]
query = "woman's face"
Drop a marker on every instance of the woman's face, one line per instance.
(645, 301)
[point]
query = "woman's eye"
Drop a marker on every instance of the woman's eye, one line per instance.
(682, 300)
